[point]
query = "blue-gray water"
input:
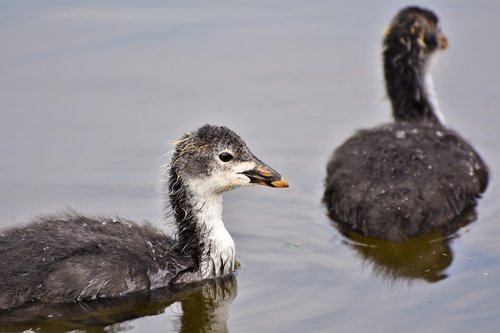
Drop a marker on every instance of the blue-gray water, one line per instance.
(91, 92)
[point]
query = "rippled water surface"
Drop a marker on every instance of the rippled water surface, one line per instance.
(91, 92)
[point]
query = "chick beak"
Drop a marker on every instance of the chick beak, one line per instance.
(443, 41)
(262, 174)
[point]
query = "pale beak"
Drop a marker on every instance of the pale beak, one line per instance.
(262, 174)
(442, 41)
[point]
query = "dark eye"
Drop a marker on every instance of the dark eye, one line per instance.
(225, 157)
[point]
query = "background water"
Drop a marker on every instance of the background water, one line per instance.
(90, 92)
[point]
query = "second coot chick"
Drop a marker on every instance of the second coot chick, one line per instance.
(408, 177)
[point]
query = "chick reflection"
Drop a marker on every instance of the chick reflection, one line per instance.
(424, 257)
(205, 308)
(208, 309)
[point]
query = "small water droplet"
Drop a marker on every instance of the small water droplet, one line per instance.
(400, 134)
(439, 134)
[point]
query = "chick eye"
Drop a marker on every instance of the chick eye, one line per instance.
(225, 157)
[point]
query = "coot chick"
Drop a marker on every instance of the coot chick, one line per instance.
(408, 177)
(71, 257)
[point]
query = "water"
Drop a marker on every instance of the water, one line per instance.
(91, 92)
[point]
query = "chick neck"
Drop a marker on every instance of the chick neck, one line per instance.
(408, 81)
(201, 233)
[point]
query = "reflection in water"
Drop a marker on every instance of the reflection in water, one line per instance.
(208, 309)
(424, 257)
(205, 308)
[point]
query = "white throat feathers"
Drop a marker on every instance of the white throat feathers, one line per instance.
(217, 249)
(430, 90)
